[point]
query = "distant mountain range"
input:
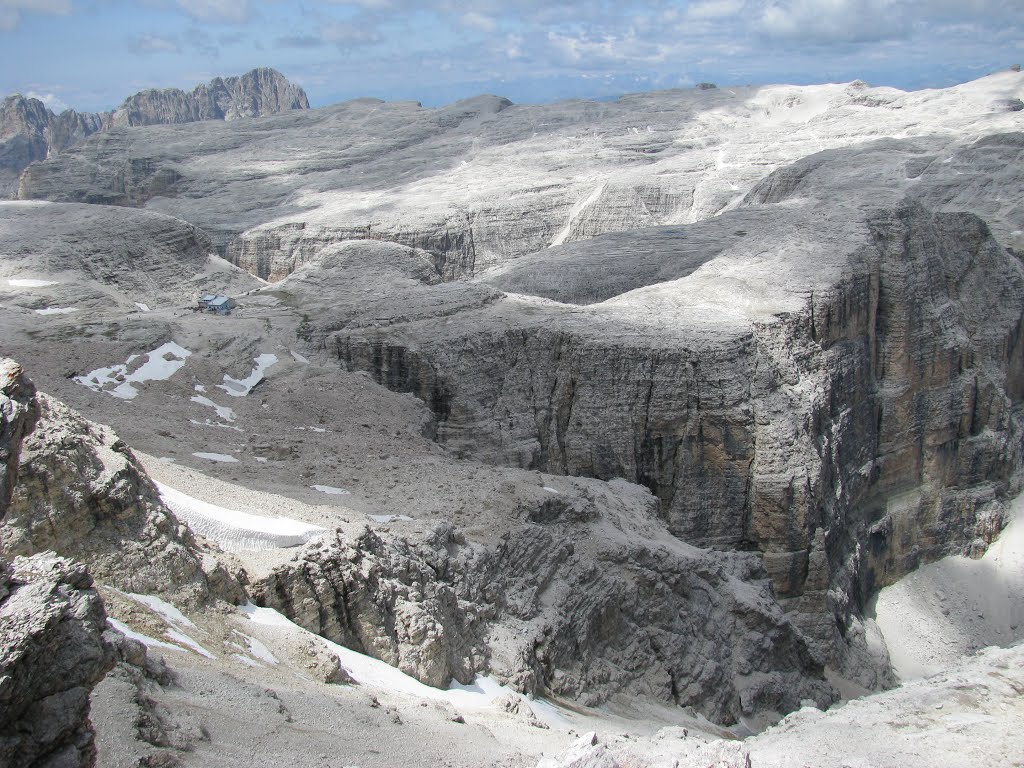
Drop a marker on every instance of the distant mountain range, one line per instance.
(30, 132)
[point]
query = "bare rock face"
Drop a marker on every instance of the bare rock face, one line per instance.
(81, 493)
(831, 385)
(262, 91)
(561, 606)
(18, 414)
(52, 653)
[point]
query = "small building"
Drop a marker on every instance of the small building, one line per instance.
(221, 305)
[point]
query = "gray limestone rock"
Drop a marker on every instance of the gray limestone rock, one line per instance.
(29, 132)
(52, 653)
(830, 384)
(594, 602)
(81, 493)
(263, 91)
(18, 414)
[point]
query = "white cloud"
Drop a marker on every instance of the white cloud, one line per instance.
(834, 20)
(478, 21)
(11, 10)
(233, 11)
(52, 101)
(714, 9)
(151, 44)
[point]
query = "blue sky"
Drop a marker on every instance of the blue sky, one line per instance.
(90, 54)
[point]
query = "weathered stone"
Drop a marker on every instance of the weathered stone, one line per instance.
(52, 653)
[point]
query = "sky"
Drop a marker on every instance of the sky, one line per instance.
(91, 54)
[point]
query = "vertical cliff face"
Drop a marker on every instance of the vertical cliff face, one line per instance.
(870, 430)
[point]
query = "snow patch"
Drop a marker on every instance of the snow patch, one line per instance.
(330, 490)
(222, 457)
(375, 673)
(298, 358)
(389, 518)
(222, 410)
(146, 640)
(236, 531)
(143, 307)
(24, 282)
(257, 649)
(180, 637)
(162, 363)
(56, 311)
(161, 607)
(242, 387)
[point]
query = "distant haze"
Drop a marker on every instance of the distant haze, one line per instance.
(89, 55)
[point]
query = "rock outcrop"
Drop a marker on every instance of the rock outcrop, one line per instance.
(18, 414)
(587, 598)
(262, 91)
(30, 132)
(52, 653)
(481, 182)
(80, 492)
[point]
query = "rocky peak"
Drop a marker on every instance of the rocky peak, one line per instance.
(262, 91)
(29, 132)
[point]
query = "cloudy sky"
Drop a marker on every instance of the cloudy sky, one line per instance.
(90, 54)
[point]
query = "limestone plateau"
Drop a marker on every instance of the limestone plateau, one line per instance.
(610, 417)
(29, 131)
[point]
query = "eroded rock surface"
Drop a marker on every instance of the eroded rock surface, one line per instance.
(52, 653)
(588, 598)
(80, 492)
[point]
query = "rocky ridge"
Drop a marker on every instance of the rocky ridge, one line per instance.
(30, 132)
(481, 182)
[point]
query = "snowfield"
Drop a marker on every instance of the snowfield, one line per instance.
(233, 530)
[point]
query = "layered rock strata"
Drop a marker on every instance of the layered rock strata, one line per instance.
(80, 492)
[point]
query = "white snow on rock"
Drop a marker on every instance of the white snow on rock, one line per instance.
(56, 311)
(242, 387)
(330, 490)
(298, 358)
(389, 518)
(374, 673)
(146, 640)
(118, 380)
(143, 307)
(22, 282)
(180, 637)
(221, 457)
(165, 610)
(257, 649)
(222, 410)
(236, 531)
